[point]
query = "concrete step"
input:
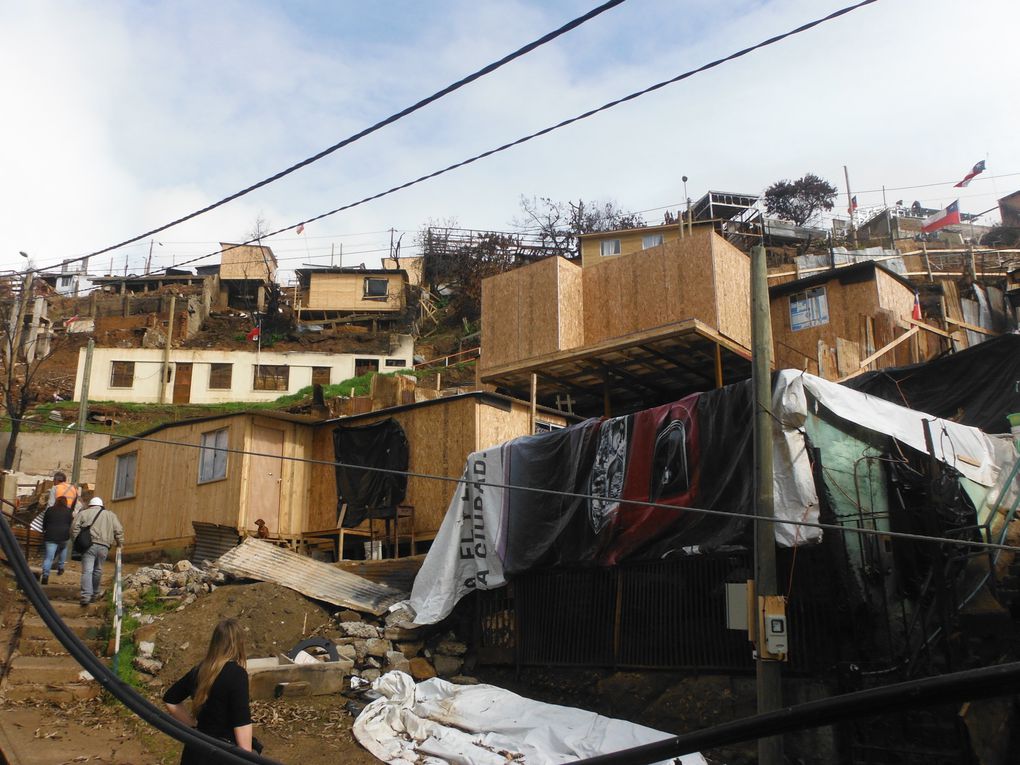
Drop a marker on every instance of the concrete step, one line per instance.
(53, 647)
(62, 588)
(54, 694)
(70, 609)
(34, 628)
(44, 670)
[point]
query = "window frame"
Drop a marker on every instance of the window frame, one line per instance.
(114, 375)
(660, 240)
(617, 249)
(212, 375)
(210, 454)
(256, 377)
(369, 295)
(328, 371)
(119, 476)
(396, 363)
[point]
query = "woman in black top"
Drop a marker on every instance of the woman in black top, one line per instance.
(56, 525)
(218, 688)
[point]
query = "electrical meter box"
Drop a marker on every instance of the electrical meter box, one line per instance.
(774, 627)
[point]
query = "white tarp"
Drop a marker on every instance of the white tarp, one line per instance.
(465, 553)
(438, 722)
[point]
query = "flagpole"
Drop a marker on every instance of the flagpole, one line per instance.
(850, 208)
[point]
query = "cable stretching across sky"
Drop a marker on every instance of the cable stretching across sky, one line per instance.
(545, 131)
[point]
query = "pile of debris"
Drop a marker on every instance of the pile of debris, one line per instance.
(380, 645)
(173, 580)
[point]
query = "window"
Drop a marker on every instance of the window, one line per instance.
(320, 375)
(65, 281)
(364, 366)
(376, 289)
(651, 240)
(220, 376)
(212, 457)
(272, 377)
(124, 476)
(122, 374)
(809, 309)
(609, 247)
(396, 362)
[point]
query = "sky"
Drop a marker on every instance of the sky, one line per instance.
(125, 115)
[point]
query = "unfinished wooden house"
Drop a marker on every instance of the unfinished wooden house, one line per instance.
(623, 333)
(834, 323)
(370, 294)
(247, 274)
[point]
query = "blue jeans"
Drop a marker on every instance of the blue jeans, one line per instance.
(92, 571)
(52, 550)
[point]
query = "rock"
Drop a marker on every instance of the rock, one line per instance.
(148, 666)
(145, 634)
(378, 647)
(146, 648)
(398, 615)
(183, 565)
(370, 674)
(348, 652)
(358, 630)
(401, 633)
(360, 650)
(447, 666)
(163, 567)
(189, 600)
(164, 590)
(421, 669)
(373, 662)
(410, 650)
(349, 616)
(451, 648)
(464, 680)
(395, 660)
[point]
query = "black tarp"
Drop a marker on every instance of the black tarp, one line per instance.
(978, 386)
(370, 493)
(696, 452)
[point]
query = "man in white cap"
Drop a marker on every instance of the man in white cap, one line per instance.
(106, 530)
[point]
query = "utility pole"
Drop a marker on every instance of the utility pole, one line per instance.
(83, 413)
(165, 369)
(18, 320)
(769, 679)
(850, 207)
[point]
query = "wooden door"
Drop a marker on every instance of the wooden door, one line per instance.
(265, 478)
(182, 383)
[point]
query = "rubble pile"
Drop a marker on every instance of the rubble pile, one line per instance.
(380, 645)
(173, 580)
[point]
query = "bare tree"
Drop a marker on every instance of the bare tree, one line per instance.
(558, 224)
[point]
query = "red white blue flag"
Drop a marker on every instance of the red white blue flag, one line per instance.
(974, 172)
(853, 205)
(916, 313)
(945, 217)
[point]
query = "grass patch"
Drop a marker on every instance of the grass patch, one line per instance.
(148, 604)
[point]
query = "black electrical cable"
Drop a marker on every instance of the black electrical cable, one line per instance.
(525, 139)
(968, 685)
(569, 26)
(215, 749)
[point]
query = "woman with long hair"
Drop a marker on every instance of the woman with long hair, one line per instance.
(218, 687)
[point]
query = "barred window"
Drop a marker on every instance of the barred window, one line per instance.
(122, 374)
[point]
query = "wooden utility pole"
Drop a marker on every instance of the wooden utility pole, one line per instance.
(850, 207)
(83, 413)
(769, 680)
(165, 370)
(18, 318)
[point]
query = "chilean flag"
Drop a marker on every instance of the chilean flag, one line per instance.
(975, 171)
(853, 205)
(946, 217)
(253, 335)
(916, 313)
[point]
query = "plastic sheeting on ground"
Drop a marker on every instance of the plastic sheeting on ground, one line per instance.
(438, 722)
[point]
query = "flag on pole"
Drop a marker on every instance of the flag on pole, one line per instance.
(254, 334)
(300, 229)
(944, 217)
(916, 313)
(853, 205)
(974, 171)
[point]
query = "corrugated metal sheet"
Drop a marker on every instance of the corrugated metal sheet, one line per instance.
(255, 559)
(398, 573)
(211, 541)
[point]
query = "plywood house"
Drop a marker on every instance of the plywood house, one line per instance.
(830, 322)
(325, 293)
(246, 272)
(605, 245)
(228, 470)
(621, 333)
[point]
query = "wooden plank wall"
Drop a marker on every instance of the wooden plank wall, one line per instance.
(733, 291)
(571, 305)
(247, 262)
(346, 292)
(168, 496)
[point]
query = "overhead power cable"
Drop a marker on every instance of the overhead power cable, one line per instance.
(545, 131)
(907, 536)
(569, 26)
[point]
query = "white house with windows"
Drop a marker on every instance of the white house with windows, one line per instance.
(190, 376)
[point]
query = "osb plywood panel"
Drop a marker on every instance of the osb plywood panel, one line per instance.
(848, 357)
(321, 491)
(346, 292)
(497, 426)
(571, 305)
(733, 291)
(247, 261)
(519, 314)
(894, 296)
(168, 496)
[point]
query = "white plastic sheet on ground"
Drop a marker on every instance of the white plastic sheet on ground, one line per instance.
(438, 722)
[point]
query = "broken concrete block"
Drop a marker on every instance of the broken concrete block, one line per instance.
(358, 630)
(410, 650)
(401, 633)
(395, 660)
(183, 565)
(348, 652)
(378, 647)
(146, 648)
(148, 666)
(447, 666)
(371, 675)
(451, 648)
(421, 669)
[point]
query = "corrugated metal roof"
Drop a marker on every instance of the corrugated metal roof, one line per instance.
(266, 562)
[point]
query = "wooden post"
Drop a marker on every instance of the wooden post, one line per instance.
(850, 207)
(927, 263)
(769, 679)
(718, 366)
(534, 403)
(83, 414)
(165, 369)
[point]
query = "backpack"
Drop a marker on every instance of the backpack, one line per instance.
(83, 541)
